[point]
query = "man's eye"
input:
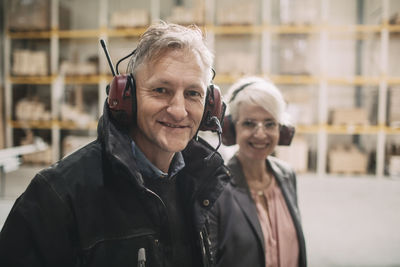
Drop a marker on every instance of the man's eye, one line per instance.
(193, 94)
(160, 90)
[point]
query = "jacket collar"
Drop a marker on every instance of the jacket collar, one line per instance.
(240, 181)
(199, 173)
(148, 169)
(116, 143)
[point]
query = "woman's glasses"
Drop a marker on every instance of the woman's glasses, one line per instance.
(253, 125)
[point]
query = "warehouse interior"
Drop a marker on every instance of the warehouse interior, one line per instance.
(335, 61)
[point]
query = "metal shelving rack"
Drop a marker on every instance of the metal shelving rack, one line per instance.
(265, 29)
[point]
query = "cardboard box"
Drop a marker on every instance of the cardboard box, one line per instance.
(349, 116)
(30, 63)
(80, 68)
(186, 16)
(239, 13)
(296, 154)
(130, 18)
(236, 63)
(394, 165)
(347, 160)
(44, 157)
(31, 110)
(76, 115)
(394, 108)
(28, 15)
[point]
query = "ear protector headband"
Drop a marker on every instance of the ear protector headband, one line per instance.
(286, 132)
(123, 106)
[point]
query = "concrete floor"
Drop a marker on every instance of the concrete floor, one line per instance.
(347, 221)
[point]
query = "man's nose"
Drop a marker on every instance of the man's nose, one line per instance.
(177, 107)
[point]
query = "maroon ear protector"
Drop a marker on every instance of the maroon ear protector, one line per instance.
(286, 132)
(122, 99)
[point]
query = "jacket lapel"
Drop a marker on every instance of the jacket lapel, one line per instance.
(283, 179)
(244, 200)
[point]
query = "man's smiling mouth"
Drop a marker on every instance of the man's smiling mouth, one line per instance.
(170, 125)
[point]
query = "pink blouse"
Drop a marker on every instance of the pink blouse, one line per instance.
(281, 244)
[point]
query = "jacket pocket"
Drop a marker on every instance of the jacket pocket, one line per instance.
(123, 250)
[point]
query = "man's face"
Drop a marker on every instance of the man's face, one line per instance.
(170, 102)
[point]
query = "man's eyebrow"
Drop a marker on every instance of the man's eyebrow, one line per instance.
(163, 82)
(169, 83)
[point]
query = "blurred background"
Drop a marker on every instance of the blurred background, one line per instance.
(336, 62)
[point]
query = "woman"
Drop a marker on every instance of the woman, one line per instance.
(263, 226)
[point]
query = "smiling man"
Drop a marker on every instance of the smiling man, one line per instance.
(141, 193)
(171, 94)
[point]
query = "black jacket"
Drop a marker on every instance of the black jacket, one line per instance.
(235, 223)
(92, 208)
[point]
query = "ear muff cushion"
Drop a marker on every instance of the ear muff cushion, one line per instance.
(213, 107)
(286, 134)
(132, 84)
(228, 131)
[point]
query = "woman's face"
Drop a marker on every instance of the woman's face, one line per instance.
(257, 132)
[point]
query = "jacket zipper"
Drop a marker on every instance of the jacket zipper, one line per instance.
(165, 211)
(205, 246)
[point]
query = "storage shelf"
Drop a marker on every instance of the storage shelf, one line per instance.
(293, 79)
(346, 129)
(31, 79)
(351, 129)
(78, 33)
(291, 29)
(85, 79)
(393, 81)
(79, 79)
(62, 125)
(32, 124)
(355, 80)
(306, 79)
(393, 28)
(30, 35)
(70, 125)
(307, 129)
(235, 29)
(317, 79)
(129, 32)
(392, 130)
(216, 29)
(221, 78)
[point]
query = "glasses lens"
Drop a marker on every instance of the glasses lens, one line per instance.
(251, 125)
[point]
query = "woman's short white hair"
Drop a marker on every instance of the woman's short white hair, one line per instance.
(257, 91)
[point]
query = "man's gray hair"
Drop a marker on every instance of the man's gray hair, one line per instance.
(162, 37)
(257, 91)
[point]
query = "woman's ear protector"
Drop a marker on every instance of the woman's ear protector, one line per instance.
(122, 99)
(286, 132)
